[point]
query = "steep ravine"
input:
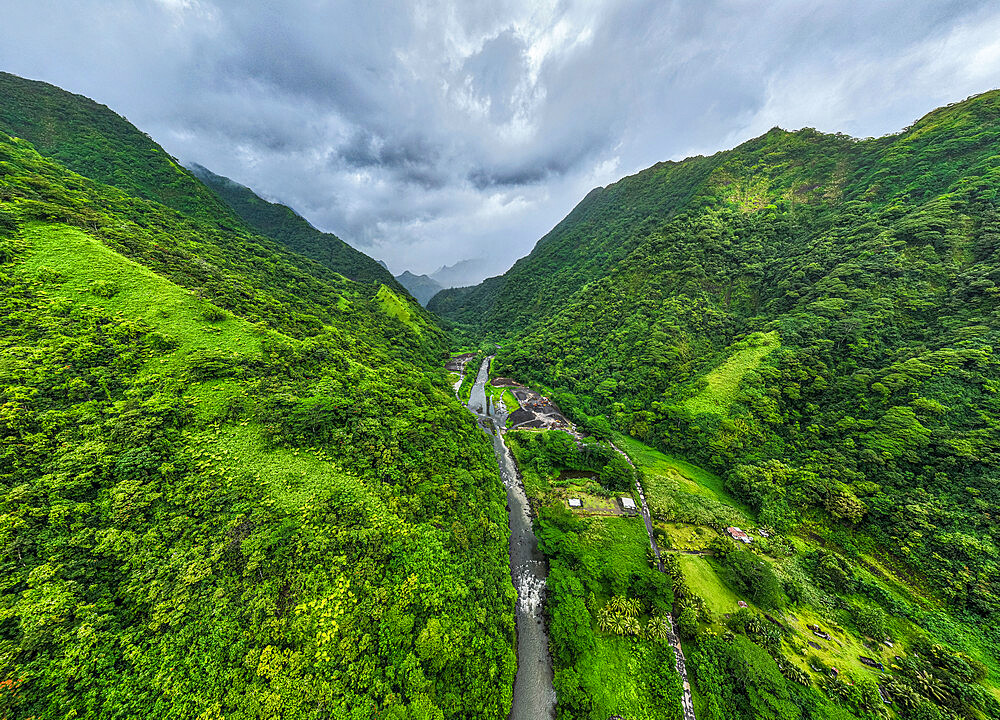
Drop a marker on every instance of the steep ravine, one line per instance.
(534, 697)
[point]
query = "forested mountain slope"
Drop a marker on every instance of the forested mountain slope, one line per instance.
(283, 224)
(91, 139)
(814, 317)
(232, 482)
(584, 246)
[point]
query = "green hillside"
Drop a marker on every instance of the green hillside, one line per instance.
(233, 483)
(91, 139)
(813, 319)
(293, 231)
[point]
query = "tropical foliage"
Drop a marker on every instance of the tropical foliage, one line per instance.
(233, 483)
(814, 318)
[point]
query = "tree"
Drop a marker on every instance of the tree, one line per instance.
(687, 623)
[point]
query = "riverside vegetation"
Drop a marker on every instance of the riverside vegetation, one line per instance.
(797, 335)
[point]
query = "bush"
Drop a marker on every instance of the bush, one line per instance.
(104, 288)
(755, 577)
(208, 364)
(213, 313)
(687, 623)
(617, 475)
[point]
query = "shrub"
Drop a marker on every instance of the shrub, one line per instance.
(104, 288)
(213, 313)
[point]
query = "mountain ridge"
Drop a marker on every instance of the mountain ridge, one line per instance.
(422, 287)
(291, 229)
(225, 468)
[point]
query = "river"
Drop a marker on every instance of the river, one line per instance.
(534, 698)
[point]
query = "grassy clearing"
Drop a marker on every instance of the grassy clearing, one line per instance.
(73, 265)
(666, 476)
(694, 479)
(724, 380)
(585, 487)
(840, 651)
(622, 540)
(688, 537)
(396, 307)
(509, 401)
(591, 502)
(704, 581)
(294, 477)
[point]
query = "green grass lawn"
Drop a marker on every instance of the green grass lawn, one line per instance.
(592, 503)
(688, 537)
(591, 500)
(623, 540)
(724, 380)
(666, 476)
(693, 479)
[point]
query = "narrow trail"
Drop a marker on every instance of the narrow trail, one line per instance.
(687, 701)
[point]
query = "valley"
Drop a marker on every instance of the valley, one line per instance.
(533, 696)
(725, 444)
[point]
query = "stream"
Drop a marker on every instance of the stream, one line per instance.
(534, 697)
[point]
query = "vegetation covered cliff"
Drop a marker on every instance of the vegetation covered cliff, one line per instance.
(233, 482)
(814, 318)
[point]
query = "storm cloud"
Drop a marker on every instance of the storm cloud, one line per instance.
(427, 132)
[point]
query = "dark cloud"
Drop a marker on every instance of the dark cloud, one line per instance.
(428, 133)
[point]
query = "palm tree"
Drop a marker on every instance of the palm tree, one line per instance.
(604, 616)
(930, 686)
(658, 628)
(632, 607)
(634, 627)
(619, 624)
(903, 694)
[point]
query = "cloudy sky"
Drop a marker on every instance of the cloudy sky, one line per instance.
(427, 132)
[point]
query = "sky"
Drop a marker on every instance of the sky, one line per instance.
(429, 132)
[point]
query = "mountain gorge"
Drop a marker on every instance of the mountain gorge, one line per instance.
(237, 481)
(422, 287)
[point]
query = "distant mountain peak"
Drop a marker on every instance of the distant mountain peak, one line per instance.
(422, 287)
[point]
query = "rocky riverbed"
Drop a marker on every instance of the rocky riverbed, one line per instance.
(534, 697)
